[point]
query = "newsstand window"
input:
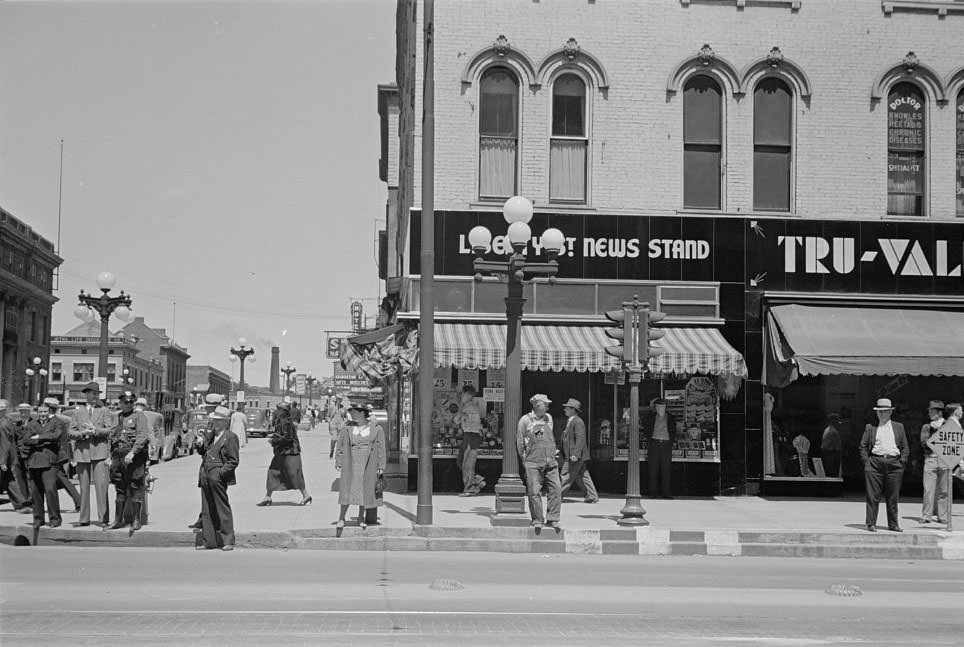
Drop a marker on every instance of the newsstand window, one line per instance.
(772, 145)
(960, 153)
(567, 150)
(702, 143)
(498, 133)
(905, 151)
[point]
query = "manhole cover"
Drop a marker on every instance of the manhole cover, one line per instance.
(446, 584)
(844, 590)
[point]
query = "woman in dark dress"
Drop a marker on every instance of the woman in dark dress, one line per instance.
(284, 472)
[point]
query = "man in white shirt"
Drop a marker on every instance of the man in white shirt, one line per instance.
(884, 451)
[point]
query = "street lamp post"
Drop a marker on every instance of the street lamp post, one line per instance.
(242, 352)
(35, 375)
(309, 384)
(103, 305)
(288, 369)
(515, 270)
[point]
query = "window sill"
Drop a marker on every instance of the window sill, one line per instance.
(555, 207)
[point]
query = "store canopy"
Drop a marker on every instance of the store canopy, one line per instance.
(819, 340)
(581, 349)
(380, 353)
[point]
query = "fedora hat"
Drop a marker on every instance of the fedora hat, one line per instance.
(935, 404)
(91, 387)
(573, 403)
(883, 404)
(220, 413)
(52, 402)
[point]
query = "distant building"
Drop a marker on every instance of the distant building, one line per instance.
(203, 379)
(73, 363)
(27, 264)
(156, 345)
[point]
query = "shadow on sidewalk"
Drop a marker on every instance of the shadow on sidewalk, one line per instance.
(478, 511)
(402, 512)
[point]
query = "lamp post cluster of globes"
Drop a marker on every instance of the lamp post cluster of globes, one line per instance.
(241, 353)
(91, 306)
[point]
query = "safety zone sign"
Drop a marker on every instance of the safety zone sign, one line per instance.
(948, 444)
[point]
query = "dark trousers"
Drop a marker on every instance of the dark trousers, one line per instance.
(43, 485)
(64, 483)
(660, 459)
(882, 476)
(217, 521)
(831, 462)
(126, 485)
(14, 482)
(578, 472)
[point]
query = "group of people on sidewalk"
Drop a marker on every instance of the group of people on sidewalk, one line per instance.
(104, 446)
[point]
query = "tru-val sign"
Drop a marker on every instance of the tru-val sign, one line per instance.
(948, 444)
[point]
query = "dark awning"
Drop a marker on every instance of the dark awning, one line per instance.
(823, 340)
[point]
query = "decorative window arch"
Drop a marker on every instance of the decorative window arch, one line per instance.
(776, 64)
(910, 69)
(572, 56)
(773, 128)
(959, 168)
(702, 142)
(569, 137)
(499, 52)
(708, 63)
(499, 96)
(906, 149)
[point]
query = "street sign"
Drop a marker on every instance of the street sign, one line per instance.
(334, 347)
(300, 383)
(948, 444)
(102, 383)
(239, 396)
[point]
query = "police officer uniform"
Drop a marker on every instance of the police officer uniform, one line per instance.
(128, 469)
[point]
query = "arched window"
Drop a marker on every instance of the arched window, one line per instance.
(702, 143)
(569, 143)
(960, 153)
(498, 133)
(905, 150)
(772, 145)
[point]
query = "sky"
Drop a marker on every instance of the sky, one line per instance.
(220, 159)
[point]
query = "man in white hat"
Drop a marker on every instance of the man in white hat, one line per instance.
(884, 451)
(155, 429)
(576, 452)
(219, 451)
(537, 451)
(89, 428)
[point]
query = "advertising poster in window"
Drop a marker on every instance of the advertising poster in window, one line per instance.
(453, 411)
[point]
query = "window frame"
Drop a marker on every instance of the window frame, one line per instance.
(792, 166)
(587, 136)
(518, 132)
(926, 100)
(959, 153)
(722, 86)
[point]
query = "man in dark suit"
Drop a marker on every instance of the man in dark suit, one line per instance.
(660, 428)
(40, 441)
(884, 451)
(575, 451)
(13, 479)
(90, 428)
(219, 449)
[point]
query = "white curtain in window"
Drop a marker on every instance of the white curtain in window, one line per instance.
(567, 170)
(496, 167)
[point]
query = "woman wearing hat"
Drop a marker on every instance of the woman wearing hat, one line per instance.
(361, 458)
(285, 472)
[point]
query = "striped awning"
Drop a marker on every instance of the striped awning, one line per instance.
(581, 349)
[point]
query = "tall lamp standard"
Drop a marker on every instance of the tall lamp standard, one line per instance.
(242, 352)
(35, 375)
(288, 369)
(515, 270)
(309, 384)
(104, 306)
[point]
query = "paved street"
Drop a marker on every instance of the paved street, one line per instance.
(107, 596)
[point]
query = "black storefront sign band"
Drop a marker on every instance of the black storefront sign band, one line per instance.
(773, 254)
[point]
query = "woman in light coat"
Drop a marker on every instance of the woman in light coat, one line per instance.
(361, 458)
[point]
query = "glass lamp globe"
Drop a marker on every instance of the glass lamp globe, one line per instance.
(232, 358)
(519, 233)
(105, 281)
(242, 341)
(553, 239)
(29, 372)
(80, 311)
(251, 358)
(517, 209)
(480, 237)
(123, 313)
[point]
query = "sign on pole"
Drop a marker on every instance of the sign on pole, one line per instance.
(300, 383)
(239, 397)
(948, 444)
(334, 347)
(102, 383)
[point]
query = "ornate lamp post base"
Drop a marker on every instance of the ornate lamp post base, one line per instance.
(633, 513)
(510, 502)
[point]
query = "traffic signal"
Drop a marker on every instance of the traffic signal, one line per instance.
(626, 334)
(648, 319)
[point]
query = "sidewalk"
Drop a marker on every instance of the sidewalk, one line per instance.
(712, 526)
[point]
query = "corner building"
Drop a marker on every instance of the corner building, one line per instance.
(784, 179)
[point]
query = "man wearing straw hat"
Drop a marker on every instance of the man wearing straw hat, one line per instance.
(884, 451)
(537, 450)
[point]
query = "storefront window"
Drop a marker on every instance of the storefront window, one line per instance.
(453, 407)
(772, 153)
(702, 143)
(498, 133)
(905, 151)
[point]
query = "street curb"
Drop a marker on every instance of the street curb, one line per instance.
(606, 541)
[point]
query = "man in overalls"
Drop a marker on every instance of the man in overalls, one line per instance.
(537, 450)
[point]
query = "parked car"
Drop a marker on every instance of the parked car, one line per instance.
(256, 423)
(194, 426)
